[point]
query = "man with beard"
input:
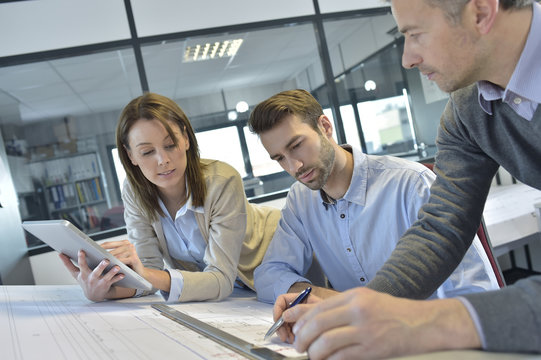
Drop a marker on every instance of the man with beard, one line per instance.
(348, 209)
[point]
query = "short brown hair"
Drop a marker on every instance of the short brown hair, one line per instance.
(152, 106)
(270, 112)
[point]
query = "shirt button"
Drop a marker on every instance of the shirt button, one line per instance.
(342, 216)
(517, 100)
(348, 249)
(362, 279)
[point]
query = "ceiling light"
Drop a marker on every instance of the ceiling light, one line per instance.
(242, 106)
(232, 115)
(215, 50)
(370, 85)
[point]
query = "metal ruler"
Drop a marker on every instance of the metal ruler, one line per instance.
(231, 342)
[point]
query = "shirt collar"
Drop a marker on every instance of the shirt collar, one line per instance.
(187, 206)
(526, 78)
(356, 192)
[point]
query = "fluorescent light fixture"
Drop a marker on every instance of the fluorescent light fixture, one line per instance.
(212, 50)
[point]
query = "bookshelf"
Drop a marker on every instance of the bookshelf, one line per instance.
(73, 189)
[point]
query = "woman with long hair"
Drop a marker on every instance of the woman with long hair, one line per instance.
(191, 231)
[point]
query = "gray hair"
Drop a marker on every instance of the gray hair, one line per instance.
(453, 8)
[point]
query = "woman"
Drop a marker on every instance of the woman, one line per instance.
(188, 212)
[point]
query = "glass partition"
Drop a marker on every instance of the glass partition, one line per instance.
(57, 122)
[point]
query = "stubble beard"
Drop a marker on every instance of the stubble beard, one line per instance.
(324, 165)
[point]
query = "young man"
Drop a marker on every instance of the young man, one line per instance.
(347, 208)
(486, 54)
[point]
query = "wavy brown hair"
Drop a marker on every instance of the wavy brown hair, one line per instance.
(152, 106)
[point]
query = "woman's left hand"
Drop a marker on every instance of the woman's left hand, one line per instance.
(124, 250)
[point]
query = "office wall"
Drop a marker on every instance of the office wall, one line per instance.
(14, 262)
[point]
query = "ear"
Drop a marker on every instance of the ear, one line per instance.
(186, 140)
(130, 155)
(485, 12)
(325, 125)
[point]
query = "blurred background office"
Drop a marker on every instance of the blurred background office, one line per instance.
(67, 67)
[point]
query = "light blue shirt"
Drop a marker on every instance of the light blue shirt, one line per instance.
(523, 92)
(353, 236)
(184, 242)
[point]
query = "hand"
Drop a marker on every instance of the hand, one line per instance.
(281, 304)
(124, 250)
(364, 323)
(96, 285)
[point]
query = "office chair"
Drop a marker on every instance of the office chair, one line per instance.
(482, 234)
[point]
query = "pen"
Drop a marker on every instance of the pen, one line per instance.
(300, 298)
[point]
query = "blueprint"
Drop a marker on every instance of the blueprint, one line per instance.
(58, 322)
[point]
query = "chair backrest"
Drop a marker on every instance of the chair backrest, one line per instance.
(482, 234)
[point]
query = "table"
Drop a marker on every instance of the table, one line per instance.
(58, 322)
(511, 217)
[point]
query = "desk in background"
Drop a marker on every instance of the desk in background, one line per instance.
(513, 222)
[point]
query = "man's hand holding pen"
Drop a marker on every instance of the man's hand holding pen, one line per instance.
(291, 314)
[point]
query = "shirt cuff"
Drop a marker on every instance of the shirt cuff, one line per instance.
(177, 283)
(287, 281)
(475, 318)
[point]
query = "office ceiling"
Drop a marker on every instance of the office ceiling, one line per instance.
(102, 82)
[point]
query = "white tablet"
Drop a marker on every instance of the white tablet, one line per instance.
(65, 238)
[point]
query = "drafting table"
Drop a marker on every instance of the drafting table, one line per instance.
(511, 218)
(58, 322)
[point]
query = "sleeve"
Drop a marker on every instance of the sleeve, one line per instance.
(432, 248)
(288, 256)
(140, 232)
(225, 206)
(509, 319)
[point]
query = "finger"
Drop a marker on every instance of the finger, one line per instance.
(280, 305)
(317, 305)
(114, 244)
(335, 341)
(352, 352)
(113, 275)
(81, 261)
(292, 315)
(313, 327)
(99, 270)
(285, 333)
(74, 270)
(124, 252)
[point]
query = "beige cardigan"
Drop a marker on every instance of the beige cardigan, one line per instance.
(237, 235)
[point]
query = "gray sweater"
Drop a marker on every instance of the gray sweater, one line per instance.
(471, 146)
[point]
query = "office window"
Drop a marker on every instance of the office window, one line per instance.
(370, 84)
(387, 126)
(119, 171)
(262, 164)
(222, 144)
